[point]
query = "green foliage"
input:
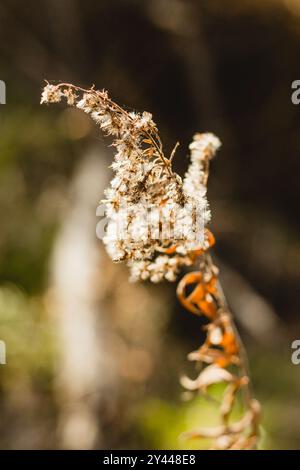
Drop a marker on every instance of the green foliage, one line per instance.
(27, 331)
(161, 422)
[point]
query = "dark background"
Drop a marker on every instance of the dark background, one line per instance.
(224, 66)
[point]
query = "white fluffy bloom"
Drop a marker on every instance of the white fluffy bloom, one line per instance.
(51, 94)
(157, 222)
(159, 218)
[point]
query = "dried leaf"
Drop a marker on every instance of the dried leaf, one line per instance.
(210, 375)
(215, 335)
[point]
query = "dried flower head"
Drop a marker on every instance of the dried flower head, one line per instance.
(158, 224)
(156, 221)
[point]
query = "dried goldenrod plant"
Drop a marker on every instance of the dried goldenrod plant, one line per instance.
(158, 224)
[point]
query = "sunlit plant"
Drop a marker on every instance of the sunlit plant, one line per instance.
(158, 225)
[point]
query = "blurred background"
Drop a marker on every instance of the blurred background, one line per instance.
(93, 361)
